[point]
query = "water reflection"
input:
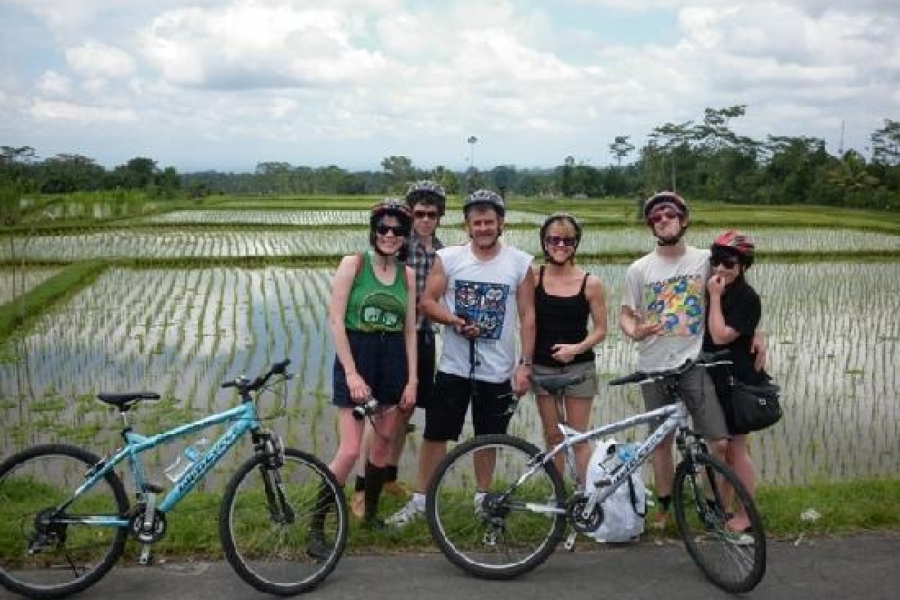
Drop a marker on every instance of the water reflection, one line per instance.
(832, 335)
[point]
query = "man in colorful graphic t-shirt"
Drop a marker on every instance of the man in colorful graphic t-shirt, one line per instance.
(663, 310)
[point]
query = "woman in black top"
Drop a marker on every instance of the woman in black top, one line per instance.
(565, 297)
(732, 317)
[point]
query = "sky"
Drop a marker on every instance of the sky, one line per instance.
(226, 84)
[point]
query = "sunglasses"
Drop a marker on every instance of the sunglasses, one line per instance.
(658, 216)
(556, 240)
(726, 261)
(425, 214)
(397, 230)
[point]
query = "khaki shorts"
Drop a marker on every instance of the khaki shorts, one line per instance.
(586, 389)
(699, 394)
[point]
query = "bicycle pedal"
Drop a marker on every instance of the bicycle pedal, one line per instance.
(145, 557)
(569, 544)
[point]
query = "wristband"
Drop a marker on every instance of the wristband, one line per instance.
(525, 362)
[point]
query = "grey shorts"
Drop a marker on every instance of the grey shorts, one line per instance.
(699, 395)
(586, 389)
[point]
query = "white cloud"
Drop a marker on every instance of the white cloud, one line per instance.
(90, 115)
(350, 81)
(250, 44)
(52, 83)
(95, 59)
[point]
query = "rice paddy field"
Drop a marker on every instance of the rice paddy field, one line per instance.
(181, 329)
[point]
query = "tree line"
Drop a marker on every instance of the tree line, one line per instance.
(702, 159)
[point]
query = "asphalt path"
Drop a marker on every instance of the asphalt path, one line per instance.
(864, 566)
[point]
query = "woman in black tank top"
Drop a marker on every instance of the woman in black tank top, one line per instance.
(565, 298)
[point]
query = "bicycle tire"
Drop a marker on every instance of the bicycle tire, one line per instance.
(735, 562)
(73, 556)
(267, 551)
(508, 539)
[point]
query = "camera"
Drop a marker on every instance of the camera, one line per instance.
(367, 408)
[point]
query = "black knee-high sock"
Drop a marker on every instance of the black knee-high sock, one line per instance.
(324, 500)
(374, 483)
(390, 473)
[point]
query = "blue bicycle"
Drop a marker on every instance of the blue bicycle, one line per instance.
(65, 514)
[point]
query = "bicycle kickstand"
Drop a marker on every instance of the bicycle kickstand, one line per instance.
(569, 544)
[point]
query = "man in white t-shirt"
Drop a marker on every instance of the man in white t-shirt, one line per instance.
(481, 291)
(664, 310)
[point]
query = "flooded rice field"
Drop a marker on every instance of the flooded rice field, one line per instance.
(833, 339)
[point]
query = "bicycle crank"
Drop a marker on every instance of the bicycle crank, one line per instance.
(580, 522)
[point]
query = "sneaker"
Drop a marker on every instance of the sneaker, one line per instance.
(406, 515)
(478, 503)
(396, 489)
(358, 504)
(318, 547)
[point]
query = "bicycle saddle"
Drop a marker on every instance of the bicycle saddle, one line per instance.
(555, 384)
(126, 400)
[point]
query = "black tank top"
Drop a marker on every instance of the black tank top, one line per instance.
(559, 320)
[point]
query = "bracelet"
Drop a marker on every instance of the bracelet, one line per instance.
(525, 362)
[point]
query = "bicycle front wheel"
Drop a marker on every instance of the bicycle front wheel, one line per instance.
(283, 529)
(734, 561)
(47, 551)
(510, 529)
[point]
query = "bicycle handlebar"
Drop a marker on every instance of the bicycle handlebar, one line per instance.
(246, 386)
(705, 360)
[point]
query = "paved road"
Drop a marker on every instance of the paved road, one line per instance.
(865, 567)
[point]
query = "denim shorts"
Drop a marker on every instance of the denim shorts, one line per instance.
(380, 360)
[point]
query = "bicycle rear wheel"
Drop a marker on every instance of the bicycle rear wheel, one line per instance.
(45, 552)
(513, 528)
(283, 529)
(734, 561)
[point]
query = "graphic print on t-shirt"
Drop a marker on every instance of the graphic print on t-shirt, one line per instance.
(677, 303)
(483, 304)
(380, 311)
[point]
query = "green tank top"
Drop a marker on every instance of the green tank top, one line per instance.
(374, 306)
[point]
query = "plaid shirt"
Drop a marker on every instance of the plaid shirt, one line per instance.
(421, 259)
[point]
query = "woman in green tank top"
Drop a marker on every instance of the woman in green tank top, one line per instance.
(372, 317)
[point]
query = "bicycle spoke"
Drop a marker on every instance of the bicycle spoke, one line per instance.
(734, 561)
(495, 535)
(46, 553)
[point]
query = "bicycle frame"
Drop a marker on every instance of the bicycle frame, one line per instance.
(675, 416)
(245, 419)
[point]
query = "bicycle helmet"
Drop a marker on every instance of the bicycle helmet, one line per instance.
(485, 198)
(555, 217)
(665, 198)
(430, 192)
(393, 207)
(736, 243)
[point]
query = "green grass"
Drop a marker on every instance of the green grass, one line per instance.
(19, 313)
(844, 509)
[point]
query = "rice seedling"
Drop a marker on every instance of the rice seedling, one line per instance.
(832, 336)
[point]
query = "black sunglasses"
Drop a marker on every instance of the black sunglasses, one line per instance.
(397, 230)
(726, 261)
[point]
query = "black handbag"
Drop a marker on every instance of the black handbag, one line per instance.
(755, 406)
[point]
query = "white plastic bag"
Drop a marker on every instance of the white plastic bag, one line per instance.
(623, 512)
